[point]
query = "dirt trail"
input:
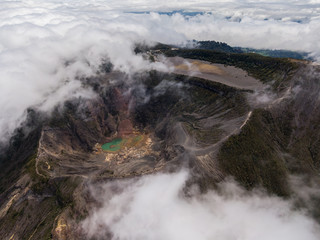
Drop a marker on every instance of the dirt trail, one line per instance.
(247, 119)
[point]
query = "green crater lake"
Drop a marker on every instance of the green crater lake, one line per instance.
(113, 146)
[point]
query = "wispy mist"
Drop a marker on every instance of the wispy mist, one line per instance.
(157, 207)
(46, 47)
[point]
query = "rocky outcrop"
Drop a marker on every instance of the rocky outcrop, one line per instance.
(165, 122)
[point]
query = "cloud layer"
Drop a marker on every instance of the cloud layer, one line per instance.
(156, 207)
(45, 47)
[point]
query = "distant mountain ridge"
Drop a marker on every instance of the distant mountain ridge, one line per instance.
(224, 47)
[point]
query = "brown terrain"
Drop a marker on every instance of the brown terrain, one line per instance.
(195, 122)
(228, 75)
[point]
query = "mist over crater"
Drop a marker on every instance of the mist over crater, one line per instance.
(159, 120)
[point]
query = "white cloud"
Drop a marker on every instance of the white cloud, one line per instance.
(37, 38)
(155, 207)
(44, 50)
(46, 46)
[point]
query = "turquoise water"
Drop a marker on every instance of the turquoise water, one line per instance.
(113, 146)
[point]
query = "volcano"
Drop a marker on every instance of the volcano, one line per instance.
(220, 115)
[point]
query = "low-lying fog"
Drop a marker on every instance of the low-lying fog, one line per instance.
(159, 207)
(46, 47)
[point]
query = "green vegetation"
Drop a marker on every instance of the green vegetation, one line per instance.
(266, 65)
(44, 220)
(37, 219)
(217, 46)
(266, 69)
(257, 156)
(223, 47)
(30, 167)
(275, 53)
(39, 183)
(252, 157)
(12, 161)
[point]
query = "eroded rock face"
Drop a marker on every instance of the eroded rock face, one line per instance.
(125, 128)
(164, 121)
(74, 149)
(161, 130)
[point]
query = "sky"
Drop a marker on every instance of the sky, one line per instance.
(38, 38)
(46, 47)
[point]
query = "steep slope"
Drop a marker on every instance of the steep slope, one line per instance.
(182, 122)
(159, 122)
(280, 142)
